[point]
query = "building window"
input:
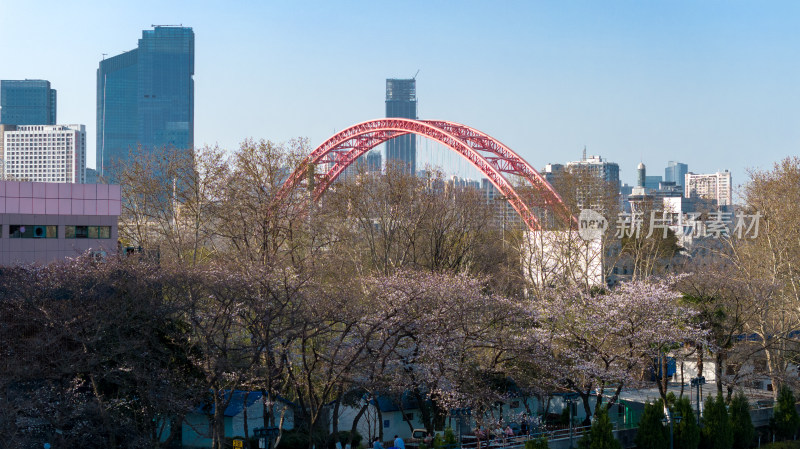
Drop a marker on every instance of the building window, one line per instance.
(32, 232)
(87, 232)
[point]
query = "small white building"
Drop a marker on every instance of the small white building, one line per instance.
(562, 258)
(45, 153)
(196, 429)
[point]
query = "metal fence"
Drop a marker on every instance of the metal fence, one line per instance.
(518, 441)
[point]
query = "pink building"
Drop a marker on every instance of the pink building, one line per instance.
(44, 222)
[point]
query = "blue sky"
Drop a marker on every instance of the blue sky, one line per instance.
(715, 84)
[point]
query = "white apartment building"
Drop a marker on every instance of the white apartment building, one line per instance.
(45, 153)
(714, 186)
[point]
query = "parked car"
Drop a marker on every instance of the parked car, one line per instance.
(418, 435)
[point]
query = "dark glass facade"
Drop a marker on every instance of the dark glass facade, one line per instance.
(676, 172)
(27, 102)
(401, 101)
(145, 97)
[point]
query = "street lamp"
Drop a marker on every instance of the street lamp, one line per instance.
(668, 419)
(570, 400)
(698, 382)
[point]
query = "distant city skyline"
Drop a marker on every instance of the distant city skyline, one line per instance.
(713, 85)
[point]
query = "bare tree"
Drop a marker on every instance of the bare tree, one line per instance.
(768, 265)
(170, 200)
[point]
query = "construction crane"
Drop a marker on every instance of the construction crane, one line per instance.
(415, 75)
(166, 25)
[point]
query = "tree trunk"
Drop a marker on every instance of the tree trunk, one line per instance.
(700, 370)
(699, 360)
(244, 416)
(776, 383)
(280, 429)
(335, 417)
(218, 432)
(266, 413)
(380, 423)
(403, 412)
(354, 427)
(587, 408)
(720, 358)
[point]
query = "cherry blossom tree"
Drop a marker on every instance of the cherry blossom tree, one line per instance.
(94, 355)
(447, 338)
(602, 342)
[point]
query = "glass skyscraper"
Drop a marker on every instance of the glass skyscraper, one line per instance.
(145, 97)
(676, 172)
(401, 101)
(27, 102)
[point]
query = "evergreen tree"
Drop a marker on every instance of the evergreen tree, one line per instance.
(601, 435)
(743, 430)
(785, 420)
(652, 434)
(716, 432)
(687, 432)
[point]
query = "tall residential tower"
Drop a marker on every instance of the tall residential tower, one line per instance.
(714, 186)
(401, 102)
(145, 97)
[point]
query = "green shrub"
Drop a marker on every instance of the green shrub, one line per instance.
(601, 435)
(785, 420)
(686, 432)
(743, 431)
(537, 443)
(652, 434)
(450, 439)
(294, 439)
(437, 442)
(717, 432)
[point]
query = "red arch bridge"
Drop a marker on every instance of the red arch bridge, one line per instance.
(496, 161)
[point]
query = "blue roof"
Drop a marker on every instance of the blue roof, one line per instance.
(237, 402)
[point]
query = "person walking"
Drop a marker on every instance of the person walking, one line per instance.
(399, 443)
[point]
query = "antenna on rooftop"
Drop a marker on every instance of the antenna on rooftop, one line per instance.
(415, 75)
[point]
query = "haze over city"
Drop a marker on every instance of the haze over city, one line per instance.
(220, 227)
(711, 84)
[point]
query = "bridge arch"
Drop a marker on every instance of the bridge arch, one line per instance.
(487, 154)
